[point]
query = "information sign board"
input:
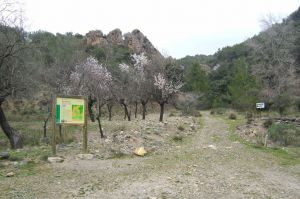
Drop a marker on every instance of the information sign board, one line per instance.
(70, 111)
(260, 105)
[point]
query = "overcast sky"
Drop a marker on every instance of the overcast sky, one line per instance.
(177, 27)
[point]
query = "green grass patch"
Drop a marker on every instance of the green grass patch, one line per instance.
(285, 156)
(216, 139)
(34, 153)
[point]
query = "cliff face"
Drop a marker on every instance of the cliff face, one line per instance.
(135, 40)
(96, 37)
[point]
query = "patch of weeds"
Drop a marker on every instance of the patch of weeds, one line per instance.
(172, 114)
(232, 116)
(249, 115)
(28, 168)
(267, 123)
(284, 134)
(118, 128)
(32, 138)
(260, 139)
(216, 139)
(177, 138)
(180, 127)
(30, 153)
(187, 173)
(117, 154)
(220, 111)
(197, 114)
(44, 157)
(285, 156)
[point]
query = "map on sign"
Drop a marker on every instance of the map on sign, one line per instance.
(69, 111)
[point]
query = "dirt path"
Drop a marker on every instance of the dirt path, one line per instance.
(205, 165)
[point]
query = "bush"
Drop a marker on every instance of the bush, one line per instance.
(177, 138)
(180, 127)
(284, 134)
(232, 116)
(268, 123)
(118, 128)
(249, 115)
(196, 114)
(298, 104)
(219, 111)
(172, 114)
(282, 102)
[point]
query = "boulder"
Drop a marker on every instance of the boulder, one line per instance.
(10, 174)
(86, 156)
(140, 151)
(4, 155)
(212, 146)
(55, 159)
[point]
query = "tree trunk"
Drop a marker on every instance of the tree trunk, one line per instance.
(109, 108)
(162, 109)
(45, 125)
(135, 110)
(90, 105)
(60, 134)
(15, 138)
(127, 113)
(99, 122)
(144, 109)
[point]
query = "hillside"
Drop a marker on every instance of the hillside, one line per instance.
(271, 58)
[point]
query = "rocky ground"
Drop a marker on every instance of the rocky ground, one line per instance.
(196, 161)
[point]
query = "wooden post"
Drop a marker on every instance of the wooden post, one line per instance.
(266, 141)
(85, 126)
(54, 124)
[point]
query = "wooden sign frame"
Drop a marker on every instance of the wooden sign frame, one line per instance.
(84, 125)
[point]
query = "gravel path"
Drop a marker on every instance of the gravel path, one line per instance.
(205, 165)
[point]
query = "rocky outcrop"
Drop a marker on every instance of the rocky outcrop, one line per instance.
(95, 37)
(138, 43)
(135, 40)
(115, 37)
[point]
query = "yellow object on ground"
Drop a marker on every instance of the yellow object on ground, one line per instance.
(140, 151)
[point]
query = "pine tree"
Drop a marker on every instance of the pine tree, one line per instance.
(243, 86)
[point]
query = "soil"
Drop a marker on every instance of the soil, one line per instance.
(205, 164)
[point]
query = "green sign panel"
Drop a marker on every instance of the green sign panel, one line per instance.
(70, 111)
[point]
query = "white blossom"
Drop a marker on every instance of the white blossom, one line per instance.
(140, 61)
(166, 87)
(124, 67)
(91, 77)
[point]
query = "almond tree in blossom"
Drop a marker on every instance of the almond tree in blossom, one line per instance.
(143, 81)
(166, 85)
(123, 89)
(140, 80)
(92, 79)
